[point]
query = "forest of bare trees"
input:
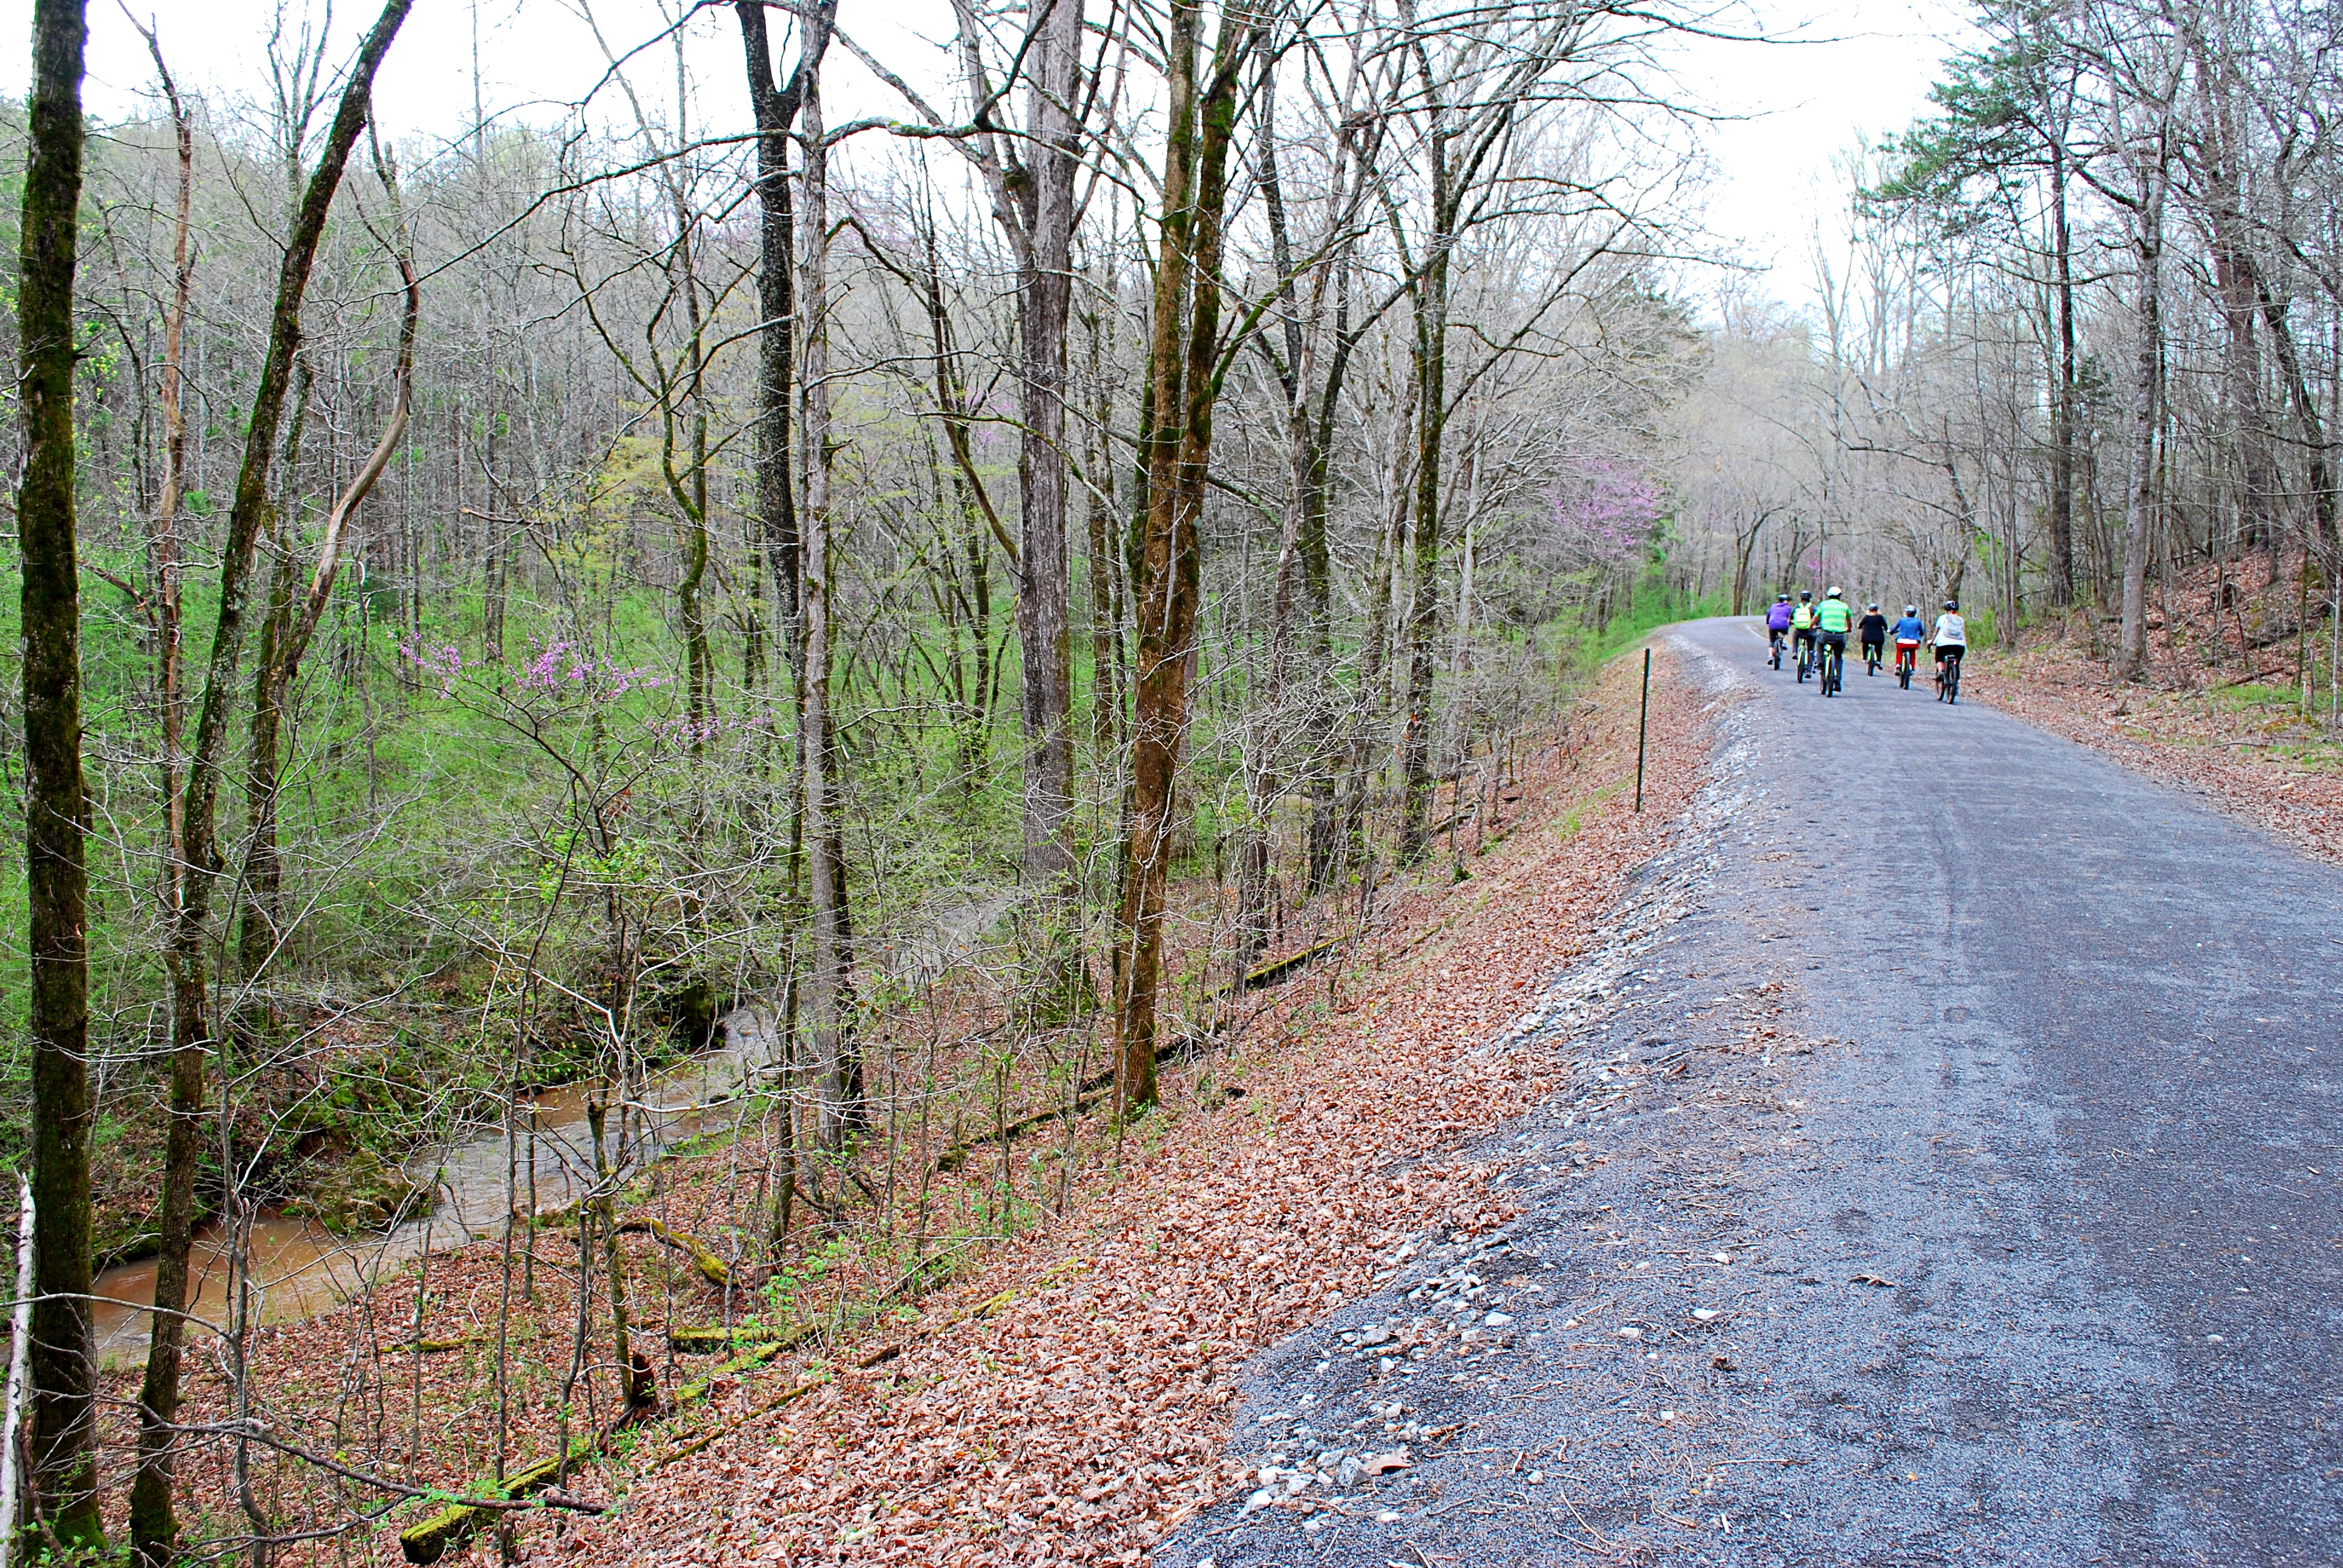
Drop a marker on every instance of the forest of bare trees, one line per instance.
(925, 598)
(2074, 347)
(933, 588)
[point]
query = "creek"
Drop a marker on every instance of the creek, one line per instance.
(296, 1268)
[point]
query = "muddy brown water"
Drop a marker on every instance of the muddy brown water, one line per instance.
(295, 1268)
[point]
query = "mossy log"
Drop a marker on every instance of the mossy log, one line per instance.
(1276, 970)
(448, 1528)
(711, 1267)
(755, 1355)
(706, 1339)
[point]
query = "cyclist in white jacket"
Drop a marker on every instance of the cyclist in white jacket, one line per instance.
(1951, 636)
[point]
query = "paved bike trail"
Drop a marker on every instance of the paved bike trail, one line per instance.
(1984, 1098)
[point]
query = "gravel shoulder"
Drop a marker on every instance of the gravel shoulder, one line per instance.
(1937, 1174)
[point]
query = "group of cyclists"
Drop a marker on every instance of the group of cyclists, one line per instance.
(1818, 634)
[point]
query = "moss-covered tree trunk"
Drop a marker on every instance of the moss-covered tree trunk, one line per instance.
(63, 1437)
(1431, 360)
(1183, 372)
(153, 1527)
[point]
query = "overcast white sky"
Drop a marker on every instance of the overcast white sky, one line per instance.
(1806, 102)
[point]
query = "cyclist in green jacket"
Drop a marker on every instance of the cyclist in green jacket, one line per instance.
(1833, 619)
(1802, 624)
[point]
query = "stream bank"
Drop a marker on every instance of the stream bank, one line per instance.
(298, 1268)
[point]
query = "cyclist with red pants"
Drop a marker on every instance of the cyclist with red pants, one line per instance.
(1910, 633)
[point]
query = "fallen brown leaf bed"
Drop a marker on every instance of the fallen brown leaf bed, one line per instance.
(1066, 1397)
(1083, 1416)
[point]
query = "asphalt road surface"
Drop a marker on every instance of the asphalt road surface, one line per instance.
(1950, 1173)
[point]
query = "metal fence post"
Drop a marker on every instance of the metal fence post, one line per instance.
(1642, 723)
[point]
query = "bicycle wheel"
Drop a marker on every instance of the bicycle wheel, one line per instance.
(1953, 681)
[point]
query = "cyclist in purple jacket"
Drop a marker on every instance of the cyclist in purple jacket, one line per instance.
(1777, 622)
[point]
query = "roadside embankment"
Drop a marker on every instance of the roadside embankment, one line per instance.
(1073, 1395)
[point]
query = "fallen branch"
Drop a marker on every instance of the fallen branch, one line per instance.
(1089, 1093)
(452, 1526)
(712, 1268)
(1276, 970)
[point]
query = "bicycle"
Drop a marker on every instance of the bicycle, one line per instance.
(1907, 654)
(1805, 659)
(1834, 659)
(1871, 659)
(1773, 636)
(1948, 677)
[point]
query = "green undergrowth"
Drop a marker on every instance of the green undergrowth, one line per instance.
(433, 851)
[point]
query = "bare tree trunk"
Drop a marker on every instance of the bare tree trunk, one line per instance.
(2147, 419)
(153, 1530)
(2306, 411)
(63, 1447)
(258, 922)
(492, 589)
(168, 620)
(830, 994)
(1326, 837)
(1045, 589)
(1105, 558)
(638, 1391)
(2219, 147)
(776, 110)
(1182, 363)
(292, 624)
(191, 1030)
(2062, 397)
(691, 495)
(1378, 653)
(2258, 475)
(1265, 733)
